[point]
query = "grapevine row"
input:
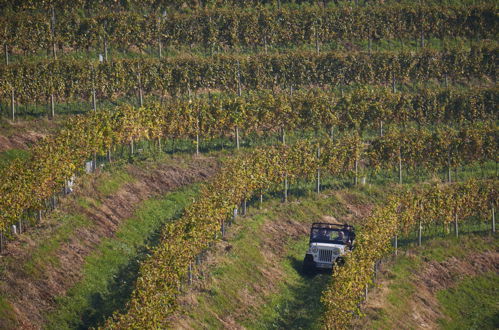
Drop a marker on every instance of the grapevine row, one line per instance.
(159, 282)
(440, 204)
(71, 79)
(28, 183)
(323, 109)
(31, 33)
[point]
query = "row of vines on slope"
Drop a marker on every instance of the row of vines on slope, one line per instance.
(324, 109)
(71, 79)
(441, 204)
(159, 284)
(27, 183)
(250, 27)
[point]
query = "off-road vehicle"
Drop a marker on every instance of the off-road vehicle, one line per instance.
(328, 244)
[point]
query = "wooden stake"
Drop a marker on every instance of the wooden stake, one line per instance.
(237, 138)
(286, 188)
(493, 219)
(52, 106)
(318, 172)
(6, 48)
(13, 105)
(396, 245)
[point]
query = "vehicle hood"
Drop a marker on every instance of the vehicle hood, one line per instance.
(328, 246)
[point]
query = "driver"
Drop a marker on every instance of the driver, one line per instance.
(323, 234)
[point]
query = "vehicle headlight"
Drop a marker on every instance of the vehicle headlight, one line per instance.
(314, 250)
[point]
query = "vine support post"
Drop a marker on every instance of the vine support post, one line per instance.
(317, 46)
(261, 200)
(190, 273)
(52, 106)
(105, 49)
(141, 96)
(332, 133)
(395, 243)
(13, 104)
(237, 137)
(197, 143)
(356, 180)
(394, 86)
(239, 87)
(400, 167)
(420, 232)
(456, 226)
(381, 128)
(318, 171)
(6, 50)
(94, 100)
(493, 219)
(285, 199)
(234, 216)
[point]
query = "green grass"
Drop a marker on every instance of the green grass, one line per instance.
(297, 304)
(401, 286)
(472, 304)
(113, 181)
(44, 253)
(110, 271)
(7, 315)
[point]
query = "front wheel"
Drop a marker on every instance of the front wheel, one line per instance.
(340, 261)
(308, 267)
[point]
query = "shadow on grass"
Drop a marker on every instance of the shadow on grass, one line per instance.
(302, 309)
(119, 289)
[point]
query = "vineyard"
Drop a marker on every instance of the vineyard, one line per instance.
(292, 98)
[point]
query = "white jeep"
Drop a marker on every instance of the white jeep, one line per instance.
(329, 242)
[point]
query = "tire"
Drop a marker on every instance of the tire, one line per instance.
(308, 267)
(339, 261)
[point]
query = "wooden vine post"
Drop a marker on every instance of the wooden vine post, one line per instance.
(318, 171)
(420, 232)
(456, 226)
(493, 219)
(6, 50)
(13, 104)
(400, 166)
(395, 243)
(141, 96)
(52, 106)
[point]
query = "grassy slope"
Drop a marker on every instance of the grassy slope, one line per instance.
(400, 287)
(472, 304)
(109, 272)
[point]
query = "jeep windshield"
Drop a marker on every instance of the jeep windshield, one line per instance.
(334, 236)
